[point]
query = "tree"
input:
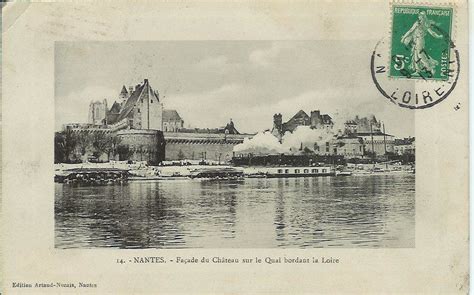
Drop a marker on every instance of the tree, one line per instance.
(124, 152)
(83, 141)
(112, 145)
(99, 143)
(65, 143)
(60, 150)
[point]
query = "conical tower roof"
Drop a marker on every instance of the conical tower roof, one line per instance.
(124, 90)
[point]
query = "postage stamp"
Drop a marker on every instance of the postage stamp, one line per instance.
(417, 65)
(420, 42)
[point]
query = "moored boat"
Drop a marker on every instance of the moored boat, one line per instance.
(287, 171)
(343, 173)
(217, 173)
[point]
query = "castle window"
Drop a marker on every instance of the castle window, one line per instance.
(141, 100)
(151, 101)
(138, 110)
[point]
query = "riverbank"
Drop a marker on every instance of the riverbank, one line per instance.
(107, 172)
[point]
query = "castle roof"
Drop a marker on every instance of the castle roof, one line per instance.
(142, 91)
(326, 119)
(115, 108)
(300, 114)
(171, 115)
(231, 128)
(124, 90)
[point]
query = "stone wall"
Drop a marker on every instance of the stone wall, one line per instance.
(199, 151)
(144, 145)
(201, 146)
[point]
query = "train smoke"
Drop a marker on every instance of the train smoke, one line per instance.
(303, 137)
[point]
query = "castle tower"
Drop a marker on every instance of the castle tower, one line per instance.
(123, 96)
(315, 118)
(97, 112)
(153, 109)
(143, 109)
(277, 129)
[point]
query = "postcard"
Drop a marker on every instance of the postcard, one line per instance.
(235, 147)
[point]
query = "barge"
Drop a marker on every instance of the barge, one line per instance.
(229, 173)
(286, 171)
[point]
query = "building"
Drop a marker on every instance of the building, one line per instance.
(143, 109)
(97, 112)
(363, 125)
(172, 121)
(371, 131)
(404, 146)
(141, 145)
(350, 146)
(214, 144)
(136, 121)
(140, 107)
(131, 129)
(201, 146)
(301, 118)
(377, 142)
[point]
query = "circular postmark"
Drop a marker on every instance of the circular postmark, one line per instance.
(409, 91)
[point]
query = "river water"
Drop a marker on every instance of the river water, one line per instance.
(346, 212)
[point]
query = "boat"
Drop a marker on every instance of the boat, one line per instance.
(379, 171)
(343, 173)
(257, 175)
(303, 171)
(217, 173)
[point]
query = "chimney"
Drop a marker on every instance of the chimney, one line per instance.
(145, 81)
(130, 90)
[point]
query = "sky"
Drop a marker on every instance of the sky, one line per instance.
(211, 82)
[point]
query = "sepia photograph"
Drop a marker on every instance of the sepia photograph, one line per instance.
(228, 144)
(235, 147)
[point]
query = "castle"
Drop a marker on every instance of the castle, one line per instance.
(145, 131)
(138, 108)
(361, 136)
(316, 120)
(154, 134)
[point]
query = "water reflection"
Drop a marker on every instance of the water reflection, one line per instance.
(368, 211)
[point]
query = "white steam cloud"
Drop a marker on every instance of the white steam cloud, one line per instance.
(302, 137)
(261, 143)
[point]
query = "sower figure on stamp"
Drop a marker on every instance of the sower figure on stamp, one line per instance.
(421, 62)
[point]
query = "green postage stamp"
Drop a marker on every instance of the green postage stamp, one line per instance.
(421, 42)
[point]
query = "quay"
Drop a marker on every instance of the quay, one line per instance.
(120, 172)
